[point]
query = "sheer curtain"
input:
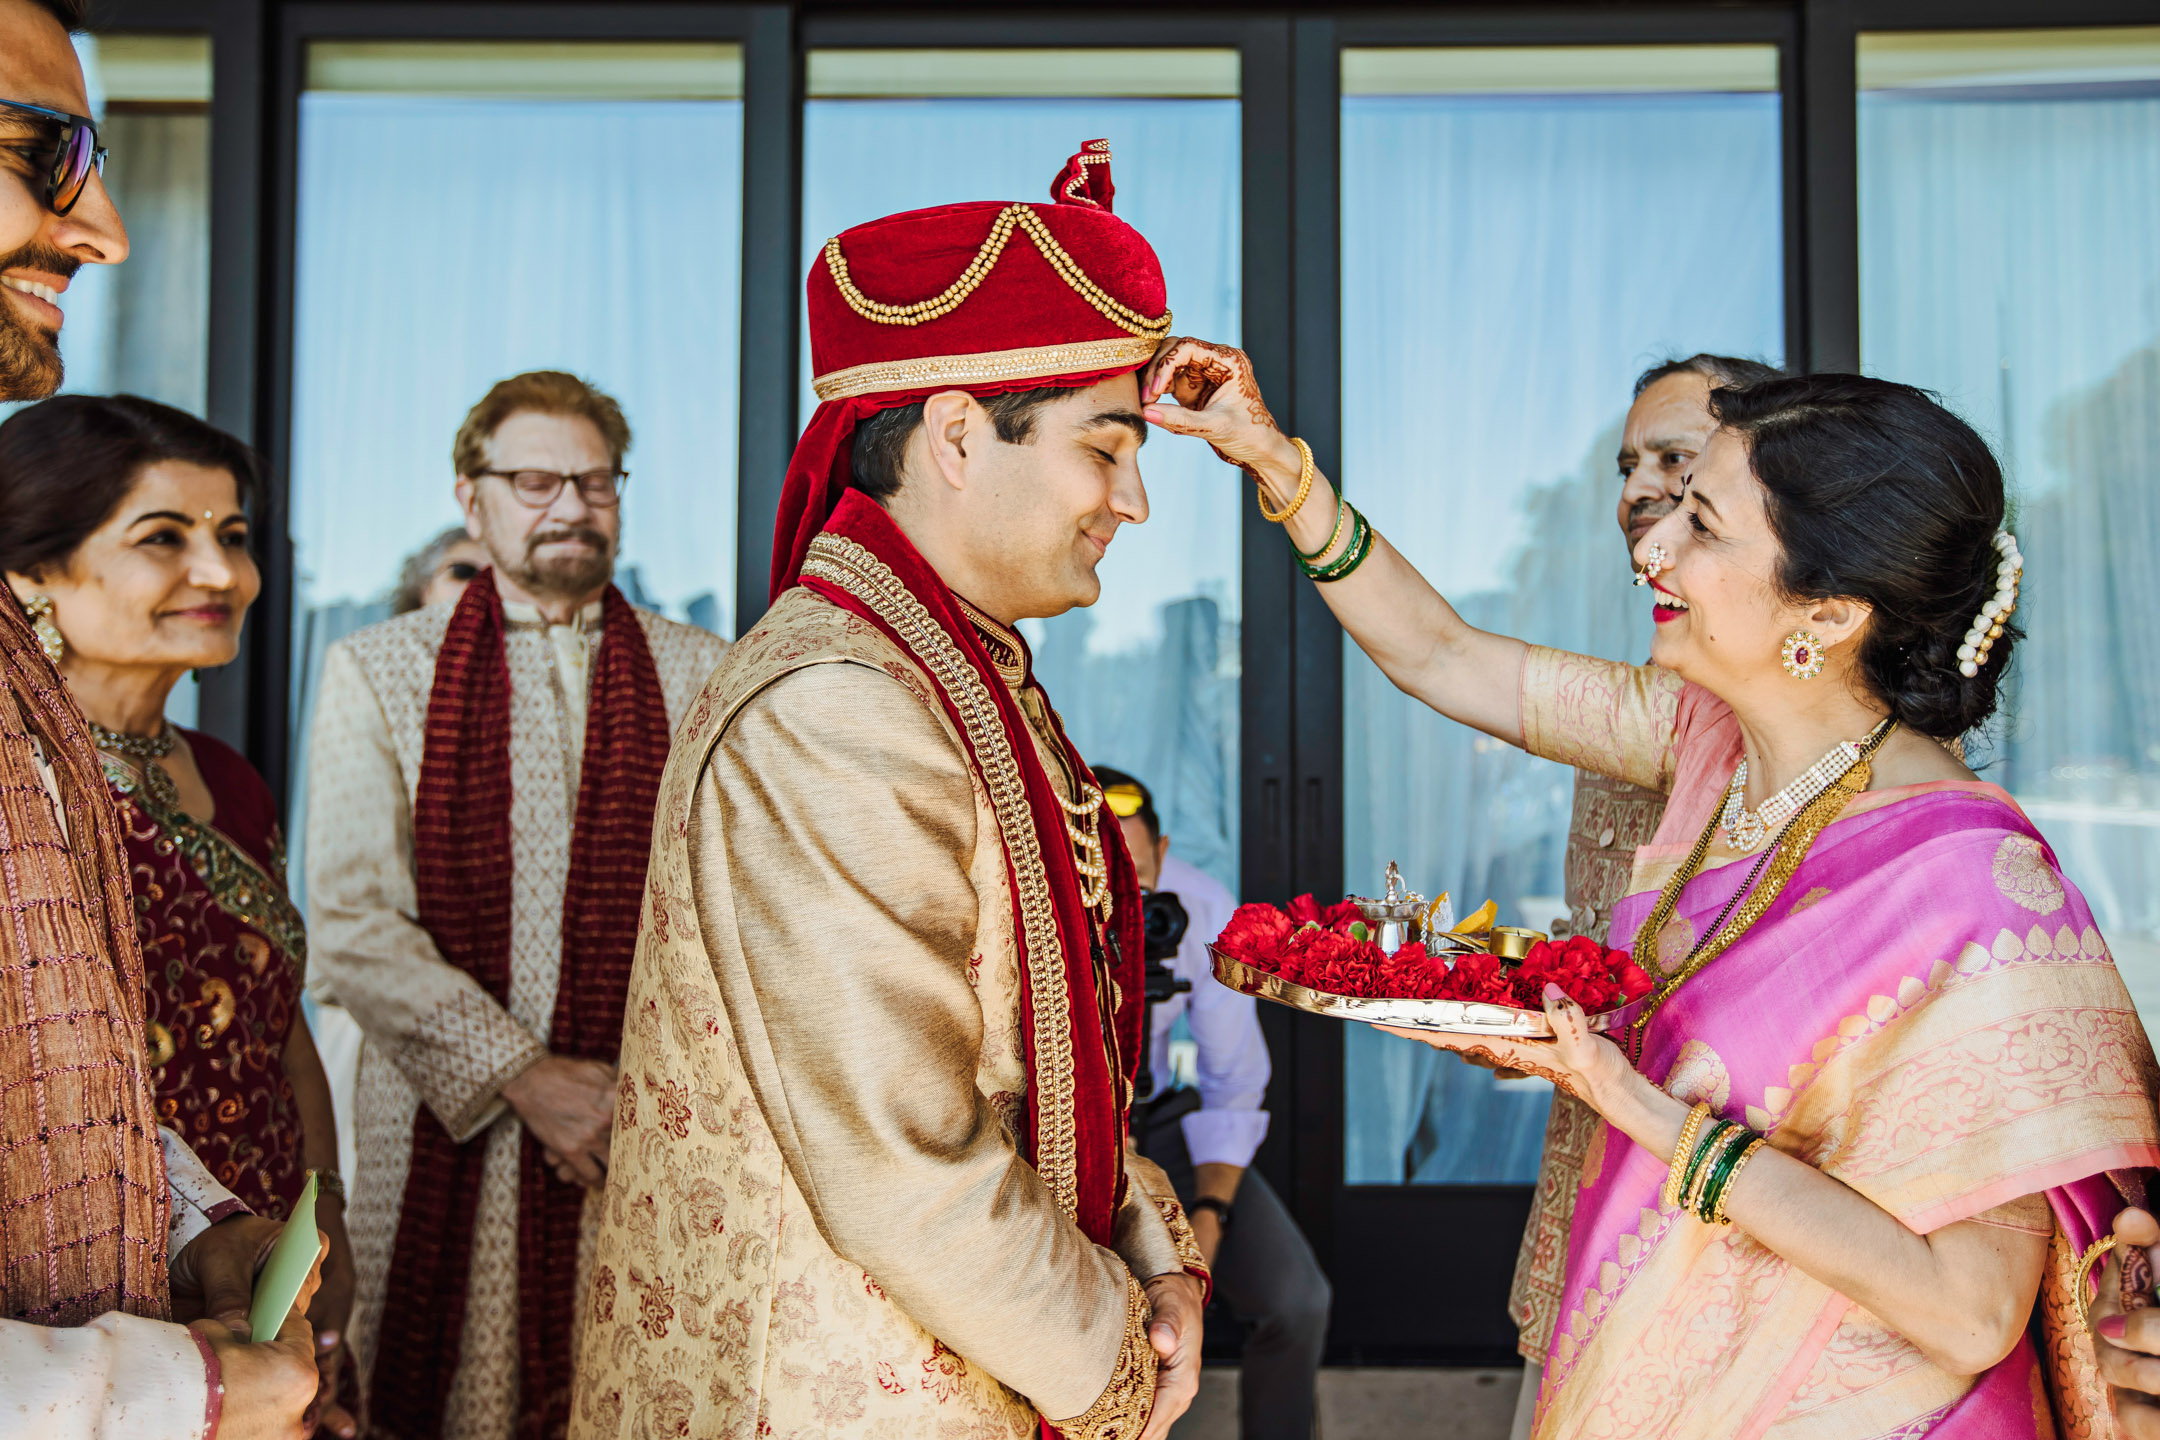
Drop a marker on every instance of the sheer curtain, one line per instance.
(1510, 263)
(2010, 259)
(445, 243)
(1146, 679)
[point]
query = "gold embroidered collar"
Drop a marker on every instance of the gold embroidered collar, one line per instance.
(1008, 652)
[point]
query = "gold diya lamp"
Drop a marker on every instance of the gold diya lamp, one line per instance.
(1512, 942)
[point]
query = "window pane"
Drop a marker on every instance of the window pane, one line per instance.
(2009, 244)
(463, 218)
(1512, 258)
(1146, 679)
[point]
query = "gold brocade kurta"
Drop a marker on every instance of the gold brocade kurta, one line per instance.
(1611, 818)
(434, 1037)
(817, 1221)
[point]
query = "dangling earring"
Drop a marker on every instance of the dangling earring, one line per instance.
(41, 623)
(1803, 652)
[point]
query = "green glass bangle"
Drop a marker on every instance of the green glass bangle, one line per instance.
(1721, 1171)
(1361, 544)
(1358, 527)
(1342, 506)
(1695, 1162)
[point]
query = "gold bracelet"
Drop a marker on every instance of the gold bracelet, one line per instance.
(1720, 1217)
(1680, 1154)
(2081, 1287)
(1304, 488)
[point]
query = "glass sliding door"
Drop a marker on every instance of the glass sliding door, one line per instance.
(467, 211)
(2010, 260)
(1147, 678)
(1523, 232)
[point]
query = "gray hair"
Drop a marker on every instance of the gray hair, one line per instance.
(1724, 372)
(418, 569)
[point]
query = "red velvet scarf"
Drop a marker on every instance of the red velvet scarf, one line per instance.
(1100, 1072)
(461, 860)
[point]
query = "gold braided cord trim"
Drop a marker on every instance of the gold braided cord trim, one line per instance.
(981, 367)
(1121, 1411)
(1013, 217)
(855, 570)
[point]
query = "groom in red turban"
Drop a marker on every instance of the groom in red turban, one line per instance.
(869, 1173)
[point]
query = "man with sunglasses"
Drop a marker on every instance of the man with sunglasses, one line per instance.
(483, 775)
(92, 1271)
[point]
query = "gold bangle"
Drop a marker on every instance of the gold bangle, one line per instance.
(1304, 488)
(1342, 523)
(1680, 1154)
(1720, 1217)
(2082, 1285)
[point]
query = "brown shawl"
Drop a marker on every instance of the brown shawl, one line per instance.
(462, 861)
(83, 1204)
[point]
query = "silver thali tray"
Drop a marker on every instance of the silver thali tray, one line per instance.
(1459, 1017)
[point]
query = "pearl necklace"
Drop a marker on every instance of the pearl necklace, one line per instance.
(1092, 862)
(1747, 829)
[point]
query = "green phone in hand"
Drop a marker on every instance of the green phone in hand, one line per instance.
(278, 1283)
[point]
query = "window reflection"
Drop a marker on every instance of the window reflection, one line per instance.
(470, 211)
(1146, 679)
(2009, 244)
(1523, 231)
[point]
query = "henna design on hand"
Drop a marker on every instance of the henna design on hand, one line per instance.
(1197, 382)
(1560, 1081)
(2135, 1279)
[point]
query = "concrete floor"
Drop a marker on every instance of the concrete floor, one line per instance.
(1375, 1405)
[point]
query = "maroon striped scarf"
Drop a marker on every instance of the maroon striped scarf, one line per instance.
(462, 862)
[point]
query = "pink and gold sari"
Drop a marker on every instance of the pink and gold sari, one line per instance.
(1927, 1013)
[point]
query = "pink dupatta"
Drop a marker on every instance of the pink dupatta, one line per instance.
(1929, 1014)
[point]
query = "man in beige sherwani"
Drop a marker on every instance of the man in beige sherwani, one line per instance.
(869, 1173)
(458, 752)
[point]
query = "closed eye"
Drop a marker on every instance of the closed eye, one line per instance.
(1694, 520)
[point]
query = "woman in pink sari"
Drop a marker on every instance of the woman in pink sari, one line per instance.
(1889, 1090)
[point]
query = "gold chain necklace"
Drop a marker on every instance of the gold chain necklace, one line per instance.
(1782, 859)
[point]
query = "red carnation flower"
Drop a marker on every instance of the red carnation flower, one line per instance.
(1256, 935)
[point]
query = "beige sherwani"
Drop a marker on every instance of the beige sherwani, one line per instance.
(817, 1220)
(433, 1035)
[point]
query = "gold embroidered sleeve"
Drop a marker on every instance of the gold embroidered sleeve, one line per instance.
(1153, 1235)
(1601, 715)
(1122, 1410)
(1181, 1236)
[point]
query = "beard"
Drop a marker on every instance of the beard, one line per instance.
(562, 576)
(30, 366)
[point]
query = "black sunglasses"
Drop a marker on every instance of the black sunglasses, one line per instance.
(75, 155)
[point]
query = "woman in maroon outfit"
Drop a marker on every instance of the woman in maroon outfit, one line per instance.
(127, 543)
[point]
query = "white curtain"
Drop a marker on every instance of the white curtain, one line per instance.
(1147, 678)
(1510, 264)
(2010, 259)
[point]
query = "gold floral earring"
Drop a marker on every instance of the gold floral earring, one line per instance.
(1803, 652)
(49, 639)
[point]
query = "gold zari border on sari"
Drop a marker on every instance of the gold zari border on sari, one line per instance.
(983, 367)
(855, 570)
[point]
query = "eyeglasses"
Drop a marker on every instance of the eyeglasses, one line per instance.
(76, 153)
(601, 489)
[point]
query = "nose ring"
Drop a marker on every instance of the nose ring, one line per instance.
(1654, 563)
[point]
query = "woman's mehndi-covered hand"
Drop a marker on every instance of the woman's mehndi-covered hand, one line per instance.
(1218, 400)
(1577, 1059)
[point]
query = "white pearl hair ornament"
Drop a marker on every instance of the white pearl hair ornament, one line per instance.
(1988, 626)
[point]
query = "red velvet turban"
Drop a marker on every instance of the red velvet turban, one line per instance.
(983, 297)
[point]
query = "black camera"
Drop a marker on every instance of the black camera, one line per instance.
(1163, 922)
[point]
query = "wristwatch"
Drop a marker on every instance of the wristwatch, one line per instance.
(1220, 1206)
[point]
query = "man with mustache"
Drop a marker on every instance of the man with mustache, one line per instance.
(482, 783)
(111, 1227)
(1666, 428)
